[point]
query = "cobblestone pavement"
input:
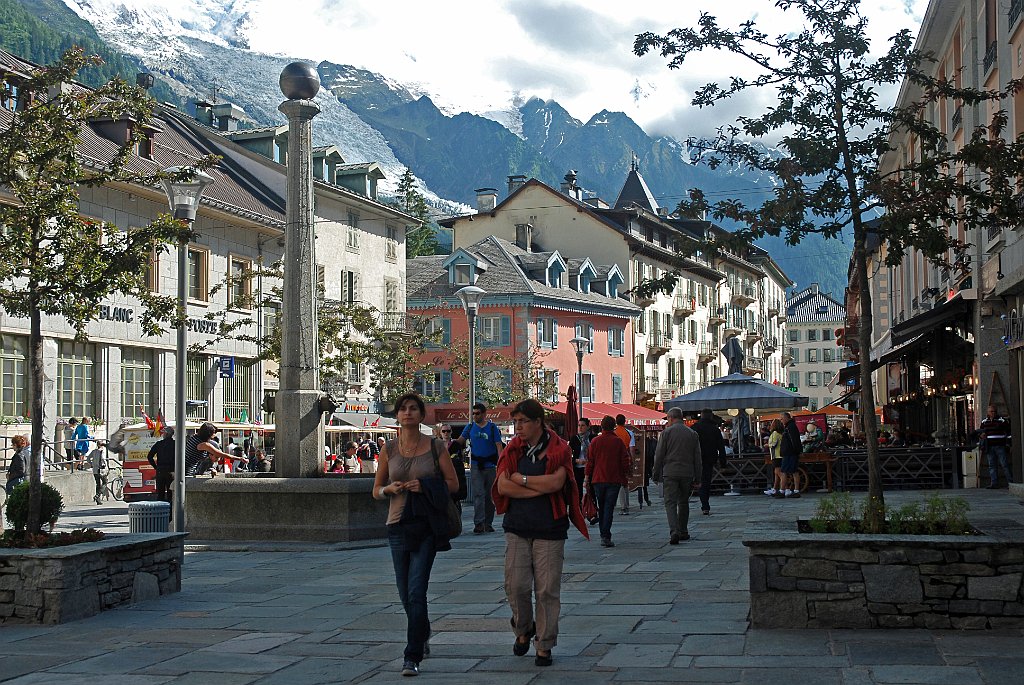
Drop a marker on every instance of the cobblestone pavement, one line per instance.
(641, 612)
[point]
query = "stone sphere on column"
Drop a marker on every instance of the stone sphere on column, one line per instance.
(299, 81)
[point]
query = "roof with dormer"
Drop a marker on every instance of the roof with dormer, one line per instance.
(810, 305)
(428, 284)
(635, 192)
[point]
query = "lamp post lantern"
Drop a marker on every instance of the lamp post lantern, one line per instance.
(582, 345)
(183, 196)
(471, 296)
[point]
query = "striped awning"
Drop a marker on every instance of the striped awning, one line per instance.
(737, 391)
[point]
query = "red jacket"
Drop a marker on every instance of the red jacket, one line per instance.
(559, 457)
(608, 460)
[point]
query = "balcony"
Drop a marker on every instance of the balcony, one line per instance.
(643, 300)
(788, 355)
(991, 52)
(743, 296)
(707, 352)
(684, 305)
(716, 316)
(782, 315)
(995, 234)
(396, 323)
(1014, 14)
(957, 120)
(773, 308)
(651, 384)
(732, 329)
(658, 343)
(752, 365)
(769, 345)
(753, 335)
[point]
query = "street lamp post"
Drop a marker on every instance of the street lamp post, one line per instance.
(581, 344)
(183, 196)
(471, 296)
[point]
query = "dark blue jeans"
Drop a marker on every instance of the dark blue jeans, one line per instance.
(605, 494)
(707, 472)
(413, 562)
(998, 456)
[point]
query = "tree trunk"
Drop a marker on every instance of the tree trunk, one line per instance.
(874, 510)
(35, 364)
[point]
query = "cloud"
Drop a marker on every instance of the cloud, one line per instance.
(531, 76)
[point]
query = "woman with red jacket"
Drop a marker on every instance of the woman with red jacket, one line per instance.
(536, 492)
(608, 467)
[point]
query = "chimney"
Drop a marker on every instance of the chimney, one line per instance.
(486, 199)
(663, 211)
(204, 112)
(570, 188)
(524, 236)
(516, 182)
(227, 116)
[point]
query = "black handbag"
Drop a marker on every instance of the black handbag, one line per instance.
(454, 515)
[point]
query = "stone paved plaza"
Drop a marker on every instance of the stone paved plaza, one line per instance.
(641, 612)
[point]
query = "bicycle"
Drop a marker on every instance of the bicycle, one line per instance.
(113, 483)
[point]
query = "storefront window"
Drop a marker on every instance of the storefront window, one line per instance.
(14, 383)
(75, 379)
(195, 387)
(238, 392)
(136, 382)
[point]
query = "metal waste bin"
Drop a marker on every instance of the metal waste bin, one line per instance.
(149, 517)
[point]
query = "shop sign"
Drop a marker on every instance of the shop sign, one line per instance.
(226, 366)
(202, 326)
(119, 314)
(363, 408)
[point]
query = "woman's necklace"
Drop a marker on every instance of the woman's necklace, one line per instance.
(408, 450)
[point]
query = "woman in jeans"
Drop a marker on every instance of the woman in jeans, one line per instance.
(408, 477)
(536, 492)
(608, 467)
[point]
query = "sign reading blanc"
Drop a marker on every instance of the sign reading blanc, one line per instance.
(226, 365)
(120, 314)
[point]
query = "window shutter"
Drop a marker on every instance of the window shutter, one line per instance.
(506, 331)
(356, 294)
(554, 333)
(446, 385)
(446, 327)
(345, 292)
(611, 335)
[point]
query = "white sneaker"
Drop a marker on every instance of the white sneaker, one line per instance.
(770, 491)
(788, 493)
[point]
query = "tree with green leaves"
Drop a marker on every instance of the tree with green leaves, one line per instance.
(824, 139)
(55, 261)
(494, 387)
(420, 240)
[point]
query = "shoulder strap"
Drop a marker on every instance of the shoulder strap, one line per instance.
(434, 453)
(495, 433)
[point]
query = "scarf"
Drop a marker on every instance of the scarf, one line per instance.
(533, 452)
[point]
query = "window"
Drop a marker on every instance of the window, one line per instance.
(355, 373)
(350, 287)
(241, 283)
(494, 331)
(547, 385)
(616, 388)
(433, 386)
(812, 335)
(352, 235)
(75, 379)
(826, 378)
(13, 381)
(671, 366)
(153, 273)
(616, 338)
(439, 333)
(794, 336)
(587, 387)
(463, 274)
(494, 380)
(136, 381)
(321, 283)
(390, 295)
(195, 386)
(555, 276)
(585, 330)
(271, 317)
(814, 404)
(693, 331)
(641, 321)
(391, 243)
(237, 391)
(794, 379)
(828, 354)
(198, 274)
(812, 379)
(826, 333)
(812, 354)
(547, 333)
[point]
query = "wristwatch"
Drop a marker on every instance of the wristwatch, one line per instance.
(524, 480)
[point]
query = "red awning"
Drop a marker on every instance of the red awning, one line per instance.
(634, 413)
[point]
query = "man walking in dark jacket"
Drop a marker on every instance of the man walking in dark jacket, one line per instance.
(712, 449)
(790, 450)
(161, 458)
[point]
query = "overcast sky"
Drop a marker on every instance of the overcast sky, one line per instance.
(476, 54)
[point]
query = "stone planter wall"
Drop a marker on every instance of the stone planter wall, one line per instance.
(886, 581)
(77, 581)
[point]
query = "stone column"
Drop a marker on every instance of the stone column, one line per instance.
(299, 448)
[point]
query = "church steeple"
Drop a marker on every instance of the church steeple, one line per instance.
(635, 191)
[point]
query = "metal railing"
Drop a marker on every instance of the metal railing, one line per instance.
(957, 120)
(1014, 13)
(991, 52)
(995, 232)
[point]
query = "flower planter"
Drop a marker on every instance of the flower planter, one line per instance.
(61, 584)
(886, 581)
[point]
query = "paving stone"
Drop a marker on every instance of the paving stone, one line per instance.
(787, 642)
(791, 676)
(871, 653)
(121, 661)
(700, 645)
(632, 655)
(926, 675)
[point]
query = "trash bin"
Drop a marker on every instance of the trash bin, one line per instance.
(149, 517)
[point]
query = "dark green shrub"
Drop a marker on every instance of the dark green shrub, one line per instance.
(51, 504)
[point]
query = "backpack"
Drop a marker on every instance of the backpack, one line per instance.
(364, 452)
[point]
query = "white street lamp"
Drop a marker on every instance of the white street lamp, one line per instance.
(582, 345)
(471, 296)
(183, 196)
